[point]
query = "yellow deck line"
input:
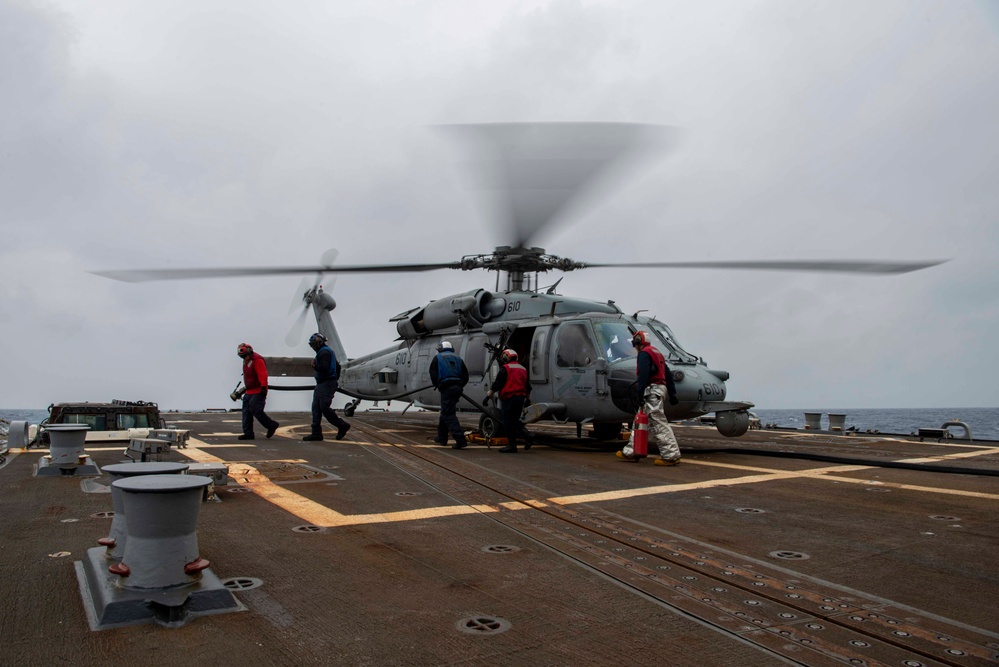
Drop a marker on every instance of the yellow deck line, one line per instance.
(824, 473)
(946, 457)
(666, 488)
(317, 514)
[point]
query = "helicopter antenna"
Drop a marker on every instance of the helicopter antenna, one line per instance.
(635, 316)
(551, 290)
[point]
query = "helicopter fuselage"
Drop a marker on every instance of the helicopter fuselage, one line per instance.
(578, 354)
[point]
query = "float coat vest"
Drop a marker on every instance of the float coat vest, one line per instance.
(516, 381)
(658, 375)
(448, 368)
(324, 374)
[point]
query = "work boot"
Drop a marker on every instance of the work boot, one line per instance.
(270, 431)
(459, 445)
(441, 441)
(528, 443)
(342, 431)
(246, 436)
(312, 437)
(624, 457)
(509, 449)
(667, 462)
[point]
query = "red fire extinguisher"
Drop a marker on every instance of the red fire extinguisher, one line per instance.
(641, 433)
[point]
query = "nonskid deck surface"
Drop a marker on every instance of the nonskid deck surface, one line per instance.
(385, 548)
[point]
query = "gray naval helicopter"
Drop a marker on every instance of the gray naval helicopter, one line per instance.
(578, 352)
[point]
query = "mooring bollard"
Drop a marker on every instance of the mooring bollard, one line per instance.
(946, 426)
(813, 421)
(18, 435)
(115, 541)
(67, 455)
(837, 421)
(161, 577)
(161, 515)
(66, 444)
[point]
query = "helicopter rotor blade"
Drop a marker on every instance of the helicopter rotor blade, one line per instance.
(327, 259)
(147, 275)
(537, 171)
(302, 299)
(296, 303)
(833, 266)
(294, 336)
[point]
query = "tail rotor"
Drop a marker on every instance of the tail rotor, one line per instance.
(305, 296)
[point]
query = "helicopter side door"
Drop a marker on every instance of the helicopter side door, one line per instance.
(574, 374)
(538, 365)
(476, 357)
(421, 354)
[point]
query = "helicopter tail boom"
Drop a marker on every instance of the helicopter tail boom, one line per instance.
(322, 305)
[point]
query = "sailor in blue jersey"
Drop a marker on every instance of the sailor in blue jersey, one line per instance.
(449, 374)
(326, 384)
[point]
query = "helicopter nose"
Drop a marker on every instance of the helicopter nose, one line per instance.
(623, 382)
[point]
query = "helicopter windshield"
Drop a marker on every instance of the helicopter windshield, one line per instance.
(673, 351)
(615, 340)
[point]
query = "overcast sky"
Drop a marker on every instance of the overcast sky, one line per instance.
(250, 133)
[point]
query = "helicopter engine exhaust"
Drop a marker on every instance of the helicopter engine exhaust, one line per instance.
(473, 308)
(732, 423)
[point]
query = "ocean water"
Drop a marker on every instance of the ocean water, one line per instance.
(30, 416)
(983, 422)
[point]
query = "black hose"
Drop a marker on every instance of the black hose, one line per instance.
(482, 408)
(350, 393)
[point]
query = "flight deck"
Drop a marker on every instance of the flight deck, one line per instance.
(778, 547)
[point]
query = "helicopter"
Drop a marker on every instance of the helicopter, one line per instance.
(577, 351)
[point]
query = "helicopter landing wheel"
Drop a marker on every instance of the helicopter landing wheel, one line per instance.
(606, 430)
(490, 427)
(348, 410)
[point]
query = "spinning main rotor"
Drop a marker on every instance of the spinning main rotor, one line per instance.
(538, 172)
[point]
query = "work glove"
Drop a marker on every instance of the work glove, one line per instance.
(673, 400)
(263, 393)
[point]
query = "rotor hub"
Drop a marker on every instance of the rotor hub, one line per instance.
(518, 261)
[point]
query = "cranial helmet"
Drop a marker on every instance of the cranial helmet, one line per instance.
(316, 341)
(508, 355)
(640, 339)
(244, 349)
(445, 345)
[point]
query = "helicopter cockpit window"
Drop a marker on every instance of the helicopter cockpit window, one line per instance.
(575, 349)
(673, 351)
(614, 339)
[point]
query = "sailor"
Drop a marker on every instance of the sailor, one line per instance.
(449, 375)
(255, 381)
(655, 382)
(514, 389)
(326, 372)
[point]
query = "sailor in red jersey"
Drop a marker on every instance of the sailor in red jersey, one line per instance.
(514, 389)
(255, 379)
